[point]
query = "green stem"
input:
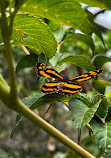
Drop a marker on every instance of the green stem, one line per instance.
(3, 81)
(23, 110)
(6, 38)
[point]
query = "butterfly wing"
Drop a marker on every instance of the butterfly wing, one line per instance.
(50, 87)
(47, 72)
(61, 88)
(87, 76)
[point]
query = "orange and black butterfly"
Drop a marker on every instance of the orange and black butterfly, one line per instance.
(62, 85)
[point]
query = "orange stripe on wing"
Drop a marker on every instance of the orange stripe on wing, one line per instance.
(69, 91)
(52, 84)
(42, 73)
(56, 74)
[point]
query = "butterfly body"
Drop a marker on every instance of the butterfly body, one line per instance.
(62, 85)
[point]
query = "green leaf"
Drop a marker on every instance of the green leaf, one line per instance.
(83, 38)
(60, 68)
(34, 33)
(65, 12)
(84, 98)
(107, 153)
(102, 132)
(26, 62)
(78, 60)
(100, 85)
(19, 119)
(54, 26)
(59, 34)
(100, 60)
(81, 113)
(55, 59)
(103, 108)
(28, 101)
(96, 98)
(48, 99)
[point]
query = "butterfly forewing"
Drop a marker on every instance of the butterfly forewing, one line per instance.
(87, 76)
(47, 72)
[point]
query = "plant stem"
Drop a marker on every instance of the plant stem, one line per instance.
(6, 38)
(23, 110)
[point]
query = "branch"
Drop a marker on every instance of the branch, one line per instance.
(23, 110)
(6, 39)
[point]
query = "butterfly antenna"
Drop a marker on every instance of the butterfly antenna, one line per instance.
(48, 108)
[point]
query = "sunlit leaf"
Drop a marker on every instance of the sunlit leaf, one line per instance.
(65, 12)
(35, 34)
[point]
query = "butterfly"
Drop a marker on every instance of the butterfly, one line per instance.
(62, 85)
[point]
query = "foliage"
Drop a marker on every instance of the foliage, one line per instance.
(46, 30)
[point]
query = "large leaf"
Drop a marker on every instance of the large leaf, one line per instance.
(81, 113)
(102, 132)
(99, 60)
(34, 33)
(66, 12)
(78, 60)
(48, 99)
(83, 38)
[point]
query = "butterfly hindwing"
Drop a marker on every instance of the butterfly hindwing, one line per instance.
(50, 87)
(61, 88)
